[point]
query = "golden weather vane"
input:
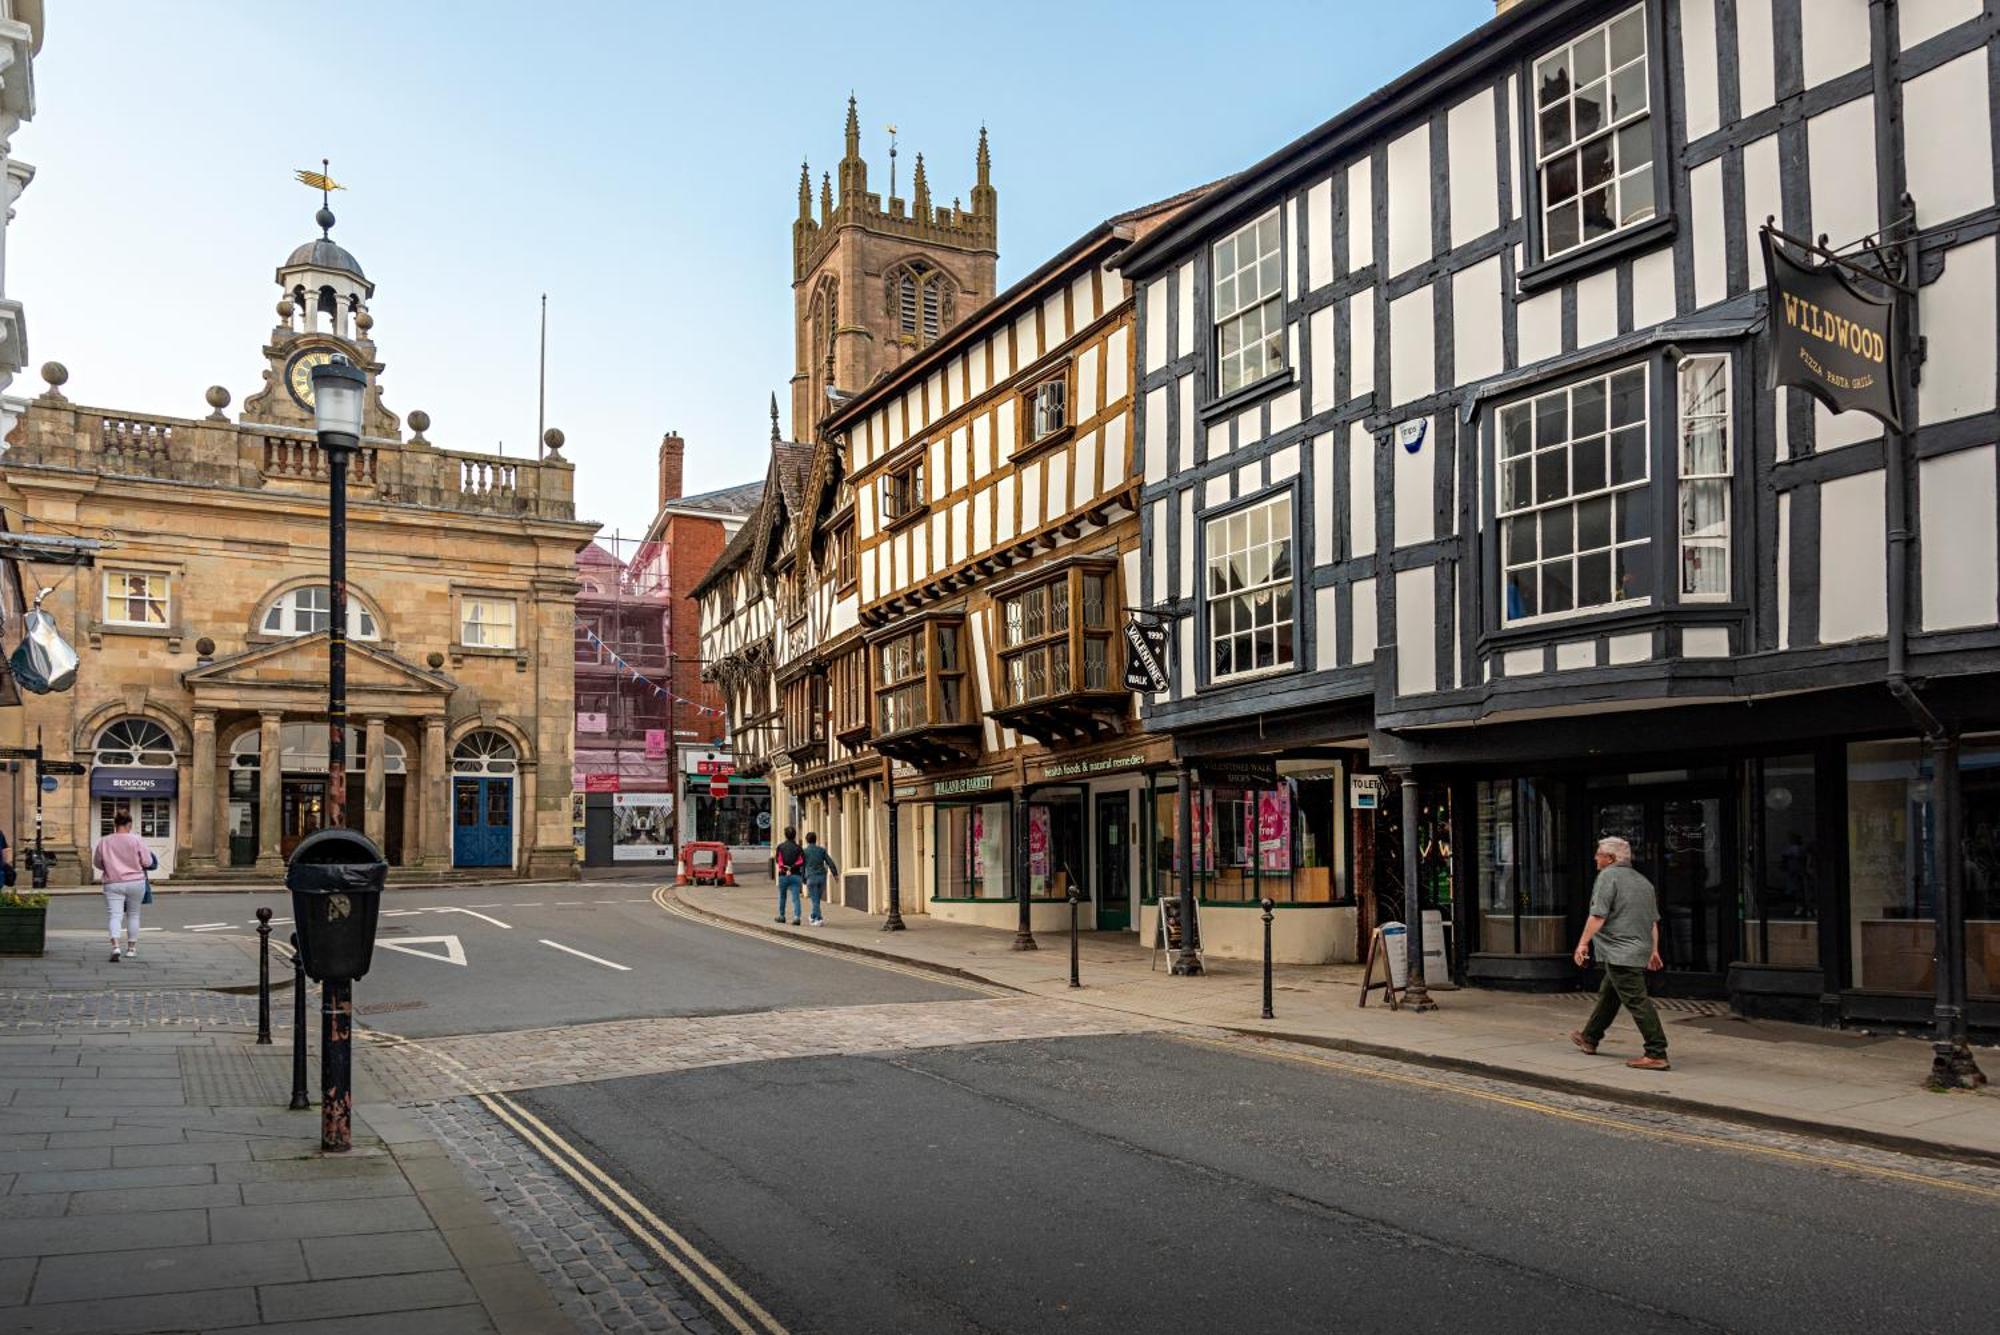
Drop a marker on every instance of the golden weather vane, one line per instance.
(319, 180)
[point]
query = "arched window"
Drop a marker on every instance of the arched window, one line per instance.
(302, 750)
(135, 742)
(485, 752)
(906, 292)
(309, 608)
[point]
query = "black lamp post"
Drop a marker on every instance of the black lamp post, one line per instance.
(338, 390)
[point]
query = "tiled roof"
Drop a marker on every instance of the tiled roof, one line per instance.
(740, 499)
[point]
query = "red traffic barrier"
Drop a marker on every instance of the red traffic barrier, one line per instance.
(705, 862)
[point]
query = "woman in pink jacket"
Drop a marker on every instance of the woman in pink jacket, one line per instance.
(123, 860)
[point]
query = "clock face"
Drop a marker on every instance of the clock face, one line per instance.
(298, 373)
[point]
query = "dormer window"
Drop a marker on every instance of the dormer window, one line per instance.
(309, 609)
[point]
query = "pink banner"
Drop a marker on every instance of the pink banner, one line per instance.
(656, 743)
(1274, 830)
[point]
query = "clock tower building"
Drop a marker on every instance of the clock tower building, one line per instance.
(323, 312)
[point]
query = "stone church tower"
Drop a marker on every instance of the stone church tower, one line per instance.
(872, 284)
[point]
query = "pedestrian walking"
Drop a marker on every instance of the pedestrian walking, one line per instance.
(123, 860)
(818, 866)
(1624, 928)
(790, 862)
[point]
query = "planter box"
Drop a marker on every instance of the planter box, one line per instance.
(23, 931)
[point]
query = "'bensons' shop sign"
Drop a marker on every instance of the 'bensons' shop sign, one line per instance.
(1831, 339)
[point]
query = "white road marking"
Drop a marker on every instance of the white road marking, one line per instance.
(198, 926)
(604, 901)
(481, 916)
(401, 913)
(224, 927)
(622, 968)
(569, 903)
(529, 904)
(489, 906)
(454, 953)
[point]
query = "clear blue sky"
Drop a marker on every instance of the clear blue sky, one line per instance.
(638, 162)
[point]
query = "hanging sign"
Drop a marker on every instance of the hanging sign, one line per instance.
(1831, 339)
(1146, 664)
(600, 783)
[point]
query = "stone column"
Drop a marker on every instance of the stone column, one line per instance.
(270, 790)
(437, 796)
(201, 800)
(374, 820)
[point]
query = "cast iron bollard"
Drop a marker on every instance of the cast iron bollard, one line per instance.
(263, 976)
(1268, 1014)
(299, 1099)
(1074, 899)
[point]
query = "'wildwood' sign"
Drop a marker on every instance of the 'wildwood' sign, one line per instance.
(1831, 339)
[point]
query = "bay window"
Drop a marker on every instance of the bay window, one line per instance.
(1249, 588)
(1055, 636)
(1705, 468)
(920, 679)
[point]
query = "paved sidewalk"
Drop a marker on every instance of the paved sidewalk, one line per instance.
(1846, 1084)
(151, 1180)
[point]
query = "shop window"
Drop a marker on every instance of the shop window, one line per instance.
(135, 597)
(1574, 505)
(152, 817)
(1782, 926)
(309, 609)
(1979, 787)
(1706, 468)
(740, 820)
(486, 623)
(1248, 270)
(135, 741)
(1248, 558)
(1245, 841)
(1055, 847)
(1525, 876)
(1594, 139)
(975, 852)
(1055, 637)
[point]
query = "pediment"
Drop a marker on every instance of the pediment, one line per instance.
(292, 663)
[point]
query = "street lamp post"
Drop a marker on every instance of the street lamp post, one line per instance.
(338, 390)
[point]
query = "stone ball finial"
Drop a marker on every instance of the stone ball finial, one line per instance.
(57, 376)
(363, 321)
(204, 647)
(324, 218)
(553, 438)
(420, 422)
(218, 399)
(435, 659)
(286, 310)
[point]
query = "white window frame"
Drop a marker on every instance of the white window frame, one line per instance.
(286, 610)
(1626, 134)
(1240, 570)
(155, 591)
(1715, 479)
(1234, 313)
(1572, 500)
(475, 627)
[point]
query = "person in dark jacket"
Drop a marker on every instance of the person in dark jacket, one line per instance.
(818, 866)
(791, 861)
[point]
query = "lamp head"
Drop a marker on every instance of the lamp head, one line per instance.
(339, 387)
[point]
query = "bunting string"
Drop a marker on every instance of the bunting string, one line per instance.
(644, 680)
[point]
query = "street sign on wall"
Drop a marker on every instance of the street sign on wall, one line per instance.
(1146, 661)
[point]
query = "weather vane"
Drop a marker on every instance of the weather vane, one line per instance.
(319, 181)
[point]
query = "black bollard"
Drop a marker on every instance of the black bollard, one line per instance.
(263, 976)
(1074, 899)
(299, 1099)
(1268, 1013)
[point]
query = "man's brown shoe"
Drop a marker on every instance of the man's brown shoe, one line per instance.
(1650, 1064)
(1576, 1037)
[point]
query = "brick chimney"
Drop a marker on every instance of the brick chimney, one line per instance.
(672, 447)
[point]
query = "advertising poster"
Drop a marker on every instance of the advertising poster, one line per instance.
(642, 827)
(1038, 845)
(576, 808)
(1274, 830)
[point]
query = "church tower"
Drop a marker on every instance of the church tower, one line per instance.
(875, 282)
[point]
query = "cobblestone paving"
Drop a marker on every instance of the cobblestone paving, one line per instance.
(526, 1059)
(600, 1279)
(28, 1010)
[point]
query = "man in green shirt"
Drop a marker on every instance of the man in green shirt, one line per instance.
(1625, 927)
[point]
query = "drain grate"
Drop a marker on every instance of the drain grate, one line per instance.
(385, 1007)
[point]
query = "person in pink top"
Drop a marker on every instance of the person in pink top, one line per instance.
(123, 860)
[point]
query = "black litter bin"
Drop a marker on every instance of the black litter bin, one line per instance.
(336, 877)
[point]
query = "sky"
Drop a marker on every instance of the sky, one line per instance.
(637, 162)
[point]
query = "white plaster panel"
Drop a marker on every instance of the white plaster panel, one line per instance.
(1031, 497)
(1711, 259)
(1412, 347)
(1319, 235)
(1249, 427)
(893, 419)
(1478, 349)
(1924, 19)
(1283, 464)
(1157, 544)
(1538, 327)
(1186, 390)
(1086, 386)
(1117, 362)
(1756, 55)
(1416, 631)
(899, 552)
(1325, 627)
(1597, 308)
(1841, 146)
(1508, 109)
(1056, 470)
(1521, 662)
(1474, 179)
(954, 383)
(1004, 513)
(1960, 559)
(1027, 339)
(1083, 299)
(1361, 215)
(1833, 430)
(1156, 435)
(1323, 507)
(1284, 411)
(1184, 322)
(865, 512)
(1698, 68)
(1635, 648)
(1323, 354)
(1004, 434)
(1055, 324)
(1705, 642)
(1410, 199)
(1947, 118)
(1853, 571)
(1762, 198)
(1957, 317)
(1361, 343)
(1784, 558)
(939, 477)
(977, 369)
(982, 445)
(1364, 621)
(933, 397)
(1003, 354)
(1415, 475)
(1361, 449)
(1249, 478)
(1186, 655)
(1289, 252)
(1215, 491)
(1835, 37)
(1186, 585)
(867, 569)
(961, 535)
(1116, 466)
(937, 555)
(1653, 287)
(1218, 440)
(1576, 654)
(1086, 468)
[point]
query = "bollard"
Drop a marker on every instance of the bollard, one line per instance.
(263, 976)
(1268, 1013)
(1074, 898)
(299, 1099)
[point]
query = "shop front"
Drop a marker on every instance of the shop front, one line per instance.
(1085, 817)
(722, 806)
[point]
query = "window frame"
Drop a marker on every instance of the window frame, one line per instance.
(1072, 637)
(1540, 273)
(1217, 395)
(111, 575)
(1028, 444)
(902, 479)
(931, 632)
(1726, 542)
(1208, 679)
(470, 599)
(360, 615)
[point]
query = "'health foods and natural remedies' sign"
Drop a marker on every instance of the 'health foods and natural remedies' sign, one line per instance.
(1831, 339)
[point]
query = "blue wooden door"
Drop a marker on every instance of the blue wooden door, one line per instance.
(482, 822)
